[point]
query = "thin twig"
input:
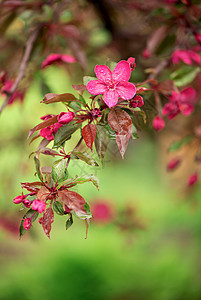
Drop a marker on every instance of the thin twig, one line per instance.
(22, 68)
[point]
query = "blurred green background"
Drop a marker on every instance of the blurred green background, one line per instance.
(161, 262)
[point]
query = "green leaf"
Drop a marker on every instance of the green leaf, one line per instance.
(86, 178)
(58, 208)
(87, 208)
(184, 75)
(101, 142)
(64, 133)
(86, 79)
(84, 156)
(59, 171)
(178, 144)
(69, 222)
(38, 169)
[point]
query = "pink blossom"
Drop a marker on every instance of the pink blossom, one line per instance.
(173, 164)
(131, 61)
(158, 123)
(187, 56)
(27, 223)
(112, 84)
(182, 102)
(102, 212)
(19, 199)
(52, 58)
(192, 179)
(49, 131)
(137, 101)
(38, 205)
(6, 89)
(198, 37)
(65, 118)
(27, 203)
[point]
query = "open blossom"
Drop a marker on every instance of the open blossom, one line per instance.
(38, 205)
(158, 123)
(182, 102)
(52, 58)
(65, 118)
(198, 37)
(49, 131)
(102, 212)
(27, 223)
(187, 56)
(112, 84)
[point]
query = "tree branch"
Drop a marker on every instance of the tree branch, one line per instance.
(22, 68)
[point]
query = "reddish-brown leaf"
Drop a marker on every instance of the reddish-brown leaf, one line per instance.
(52, 98)
(43, 193)
(42, 125)
(89, 134)
(121, 123)
(31, 186)
(80, 88)
(73, 201)
(47, 220)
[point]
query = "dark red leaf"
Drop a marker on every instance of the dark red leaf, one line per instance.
(121, 123)
(31, 186)
(47, 220)
(89, 134)
(73, 201)
(52, 98)
(42, 125)
(80, 88)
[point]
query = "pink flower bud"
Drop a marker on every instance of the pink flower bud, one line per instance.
(192, 179)
(27, 224)
(38, 205)
(137, 101)
(198, 37)
(27, 203)
(173, 164)
(131, 61)
(146, 53)
(65, 118)
(19, 199)
(158, 123)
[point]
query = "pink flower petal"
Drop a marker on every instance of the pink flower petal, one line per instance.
(110, 98)
(68, 58)
(189, 95)
(51, 59)
(158, 123)
(126, 90)
(171, 110)
(182, 55)
(103, 73)
(122, 71)
(95, 87)
(175, 96)
(186, 108)
(195, 57)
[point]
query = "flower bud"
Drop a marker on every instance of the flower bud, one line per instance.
(27, 203)
(131, 61)
(38, 205)
(137, 101)
(158, 123)
(146, 53)
(27, 223)
(173, 164)
(65, 118)
(19, 199)
(192, 179)
(198, 37)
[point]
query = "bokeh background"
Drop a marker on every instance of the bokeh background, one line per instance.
(150, 250)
